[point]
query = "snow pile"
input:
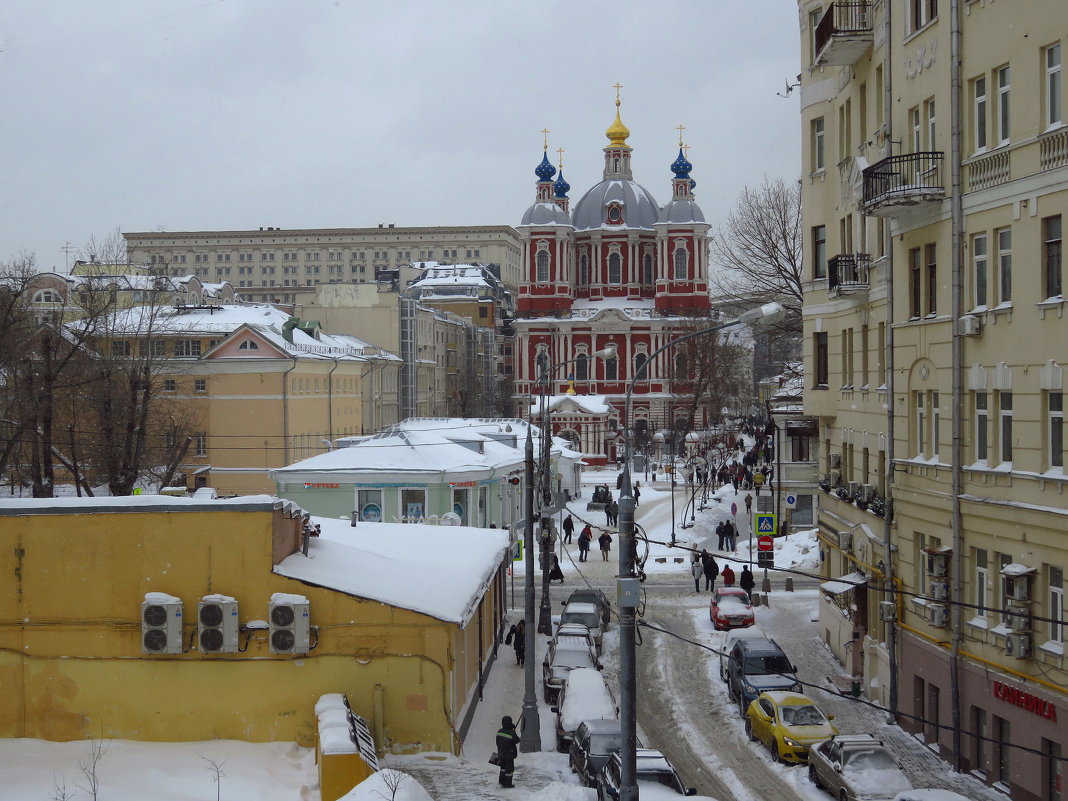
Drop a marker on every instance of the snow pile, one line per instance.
(388, 784)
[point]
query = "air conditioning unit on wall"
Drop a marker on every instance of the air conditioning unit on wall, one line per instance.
(1018, 645)
(938, 564)
(1018, 618)
(161, 624)
(867, 492)
(217, 624)
(1018, 588)
(938, 615)
(939, 590)
(969, 325)
(289, 619)
(845, 540)
(835, 461)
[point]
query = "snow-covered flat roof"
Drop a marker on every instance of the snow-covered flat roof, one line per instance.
(440, 571)
(135, 503)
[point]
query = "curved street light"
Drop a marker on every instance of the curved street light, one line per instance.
(627, 584)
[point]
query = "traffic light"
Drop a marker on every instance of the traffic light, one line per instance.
(765, 558)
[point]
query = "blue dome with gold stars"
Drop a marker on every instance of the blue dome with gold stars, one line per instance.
(545, 170)
(561, 187)
(681, 166)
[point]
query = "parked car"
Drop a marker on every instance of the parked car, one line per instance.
(755, 666)
(593, 744)
(730, 639)
(564, 654)
(856, 767)
(653, 772)
(584, 696)
(575, 630)
(587, 615)
(927, 794)
(595, 597)
(730, 609)
(789, 724)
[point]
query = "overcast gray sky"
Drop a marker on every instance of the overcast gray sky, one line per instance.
(228, 114)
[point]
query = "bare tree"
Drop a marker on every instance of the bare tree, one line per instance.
(710, 373)
(90, 765)
(758, 253)
(393, 780)
(59, 789)
(217, 774)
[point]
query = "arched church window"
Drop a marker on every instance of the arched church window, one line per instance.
(582, 368)
(542, 262)
(681, 263)
(584, 270)
(543, 363)
(615, 269)
(615, 214)
(640, 363)
(611, 369)
(617, 164)
(647, 269)
(682, 366)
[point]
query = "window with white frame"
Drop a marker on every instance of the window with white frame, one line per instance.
(647, 269)
(814, 17)
(935, 421)
(1055, 428)
(584, 270)
(1002, 77)
(640, 370)
(982, 427)
(1055, 613)
(931, 120)
(1052, 245)
(1005, 418)
(542, 262)
(202, 443)
(921, 13)
(979, 114)
(819, 251)
(1004, 283)
(187, 347)
(981, 577)
(615, 268)
(582, 367)
(1052, 87)
(915, 130)
(682, 259)
(979, 270)
(611, 369)
(200, 385)
(920, 419)
(818, 156)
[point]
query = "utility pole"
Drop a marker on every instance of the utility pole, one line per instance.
(530, 737)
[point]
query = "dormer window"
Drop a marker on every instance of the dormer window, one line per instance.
(248, 344)
(615, 214)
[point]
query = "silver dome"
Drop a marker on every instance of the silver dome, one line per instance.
(640, 210)
(545, 214)
(681, 210)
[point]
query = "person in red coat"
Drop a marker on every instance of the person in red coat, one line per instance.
(728, 576)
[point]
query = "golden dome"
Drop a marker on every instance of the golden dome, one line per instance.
(617, 132)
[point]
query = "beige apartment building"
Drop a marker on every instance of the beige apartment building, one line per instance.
(935, 190)
(271, 264)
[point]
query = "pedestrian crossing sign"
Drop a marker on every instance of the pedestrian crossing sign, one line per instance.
(517, 551)
(765, 523)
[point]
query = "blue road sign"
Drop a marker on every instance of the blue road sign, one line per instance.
(765, 523)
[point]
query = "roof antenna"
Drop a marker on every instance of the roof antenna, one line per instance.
(790, 87)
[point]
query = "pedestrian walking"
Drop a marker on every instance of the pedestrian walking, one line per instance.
(696, 570)
(613, 513)
(507, 750)
(605, 541)
(728, 575)
(732, 535)
(637, 492)
(569, 529)
(746, 580)
(749, 503)
(710, 569)
(721, 534)
(608, 510)
(584, 540)
(555, 573)
(517, 638)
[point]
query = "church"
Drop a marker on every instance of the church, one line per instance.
(618, 270)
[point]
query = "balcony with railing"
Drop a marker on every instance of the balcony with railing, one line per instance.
(848, 272)
(900, 182)
(844, 34)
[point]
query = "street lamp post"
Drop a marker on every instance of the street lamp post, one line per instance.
(627, 581)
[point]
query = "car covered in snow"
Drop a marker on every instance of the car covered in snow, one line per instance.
(592, 745)
(656, 777)
(730, 608)
(857, 767)
(584, 696)
(788, 723)
(732, 636)
(588, 595)
(587, 615)
(564, 654)
(575, 630)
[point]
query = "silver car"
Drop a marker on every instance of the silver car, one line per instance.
(564, 654)
(856, 767)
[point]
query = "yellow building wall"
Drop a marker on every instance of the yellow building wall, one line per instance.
(71, 665)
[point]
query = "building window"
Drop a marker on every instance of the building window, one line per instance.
(921, 13)
(542, 261)
(682, 259)
(920, 421)
(1051, 255)
(820, 358)
(170, 385)
(819, 251)
(647, 268)
(248, 344)
(818, 158)
(582, 367)
(1004, 236)
(929, 114)
(1004, 741)
(584, 270)
(200, 384)
(157, 347)
(187, 347)
(982, 427)
(1055, 412)
(979, 270)
(932, 281)
(1056, 604)
(1053, 85)
(915, 258)
(814, 17)
(1002, 75)
(1005, 415)
(640, 361)
(936, 415)
(980, 582)
(611, 369)
(915, 130)
(615, 268)
(615, 214)
(979, 114)
(121, 347)
(202, 443)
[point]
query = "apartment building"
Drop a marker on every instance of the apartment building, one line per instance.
(271, 264)
(935, 188)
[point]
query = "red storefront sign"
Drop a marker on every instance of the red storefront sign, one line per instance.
(320, 485)
(1025, 700)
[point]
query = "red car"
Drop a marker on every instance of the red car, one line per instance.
(730, 609)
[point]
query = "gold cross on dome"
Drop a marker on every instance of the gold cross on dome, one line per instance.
(617, 86)
(560, 152)
(680, 129)
(545, 138)
(686, 150)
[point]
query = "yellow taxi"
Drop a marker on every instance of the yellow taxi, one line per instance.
(788, 723)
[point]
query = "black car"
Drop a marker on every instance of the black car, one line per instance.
(595, 597)
(594, 742)
(754, 666)
(652, 768)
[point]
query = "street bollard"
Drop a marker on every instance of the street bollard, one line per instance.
(789, 586)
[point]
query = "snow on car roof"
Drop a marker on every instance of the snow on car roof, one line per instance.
(586, 697)
(787, 698)
(580, 608)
